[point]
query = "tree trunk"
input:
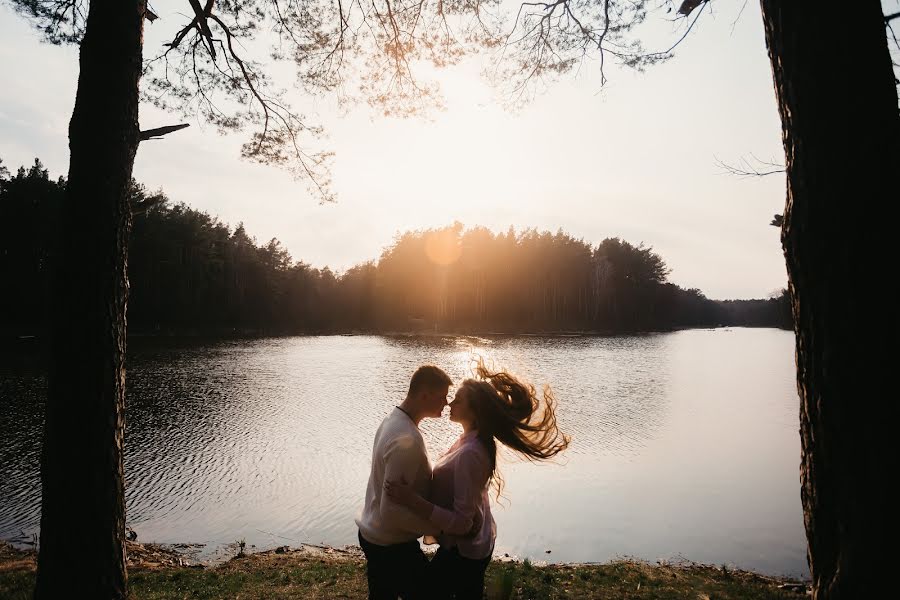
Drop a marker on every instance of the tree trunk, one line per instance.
(836, 94)
(82, 547)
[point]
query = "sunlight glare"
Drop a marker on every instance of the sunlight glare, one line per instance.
(443, 247)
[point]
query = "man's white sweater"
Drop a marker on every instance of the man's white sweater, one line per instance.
(398, 453)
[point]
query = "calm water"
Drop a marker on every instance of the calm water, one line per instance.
(684, 444)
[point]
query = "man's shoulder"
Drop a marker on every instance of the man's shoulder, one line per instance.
(389, 422)
(395, 428)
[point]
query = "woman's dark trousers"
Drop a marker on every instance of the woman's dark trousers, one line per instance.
(455, 577)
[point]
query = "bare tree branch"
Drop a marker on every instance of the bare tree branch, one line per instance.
(200, 20)
(752, 167)
(548, 39)
(367, 50)
(157, 133)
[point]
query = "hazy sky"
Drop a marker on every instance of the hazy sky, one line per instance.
(636, 160)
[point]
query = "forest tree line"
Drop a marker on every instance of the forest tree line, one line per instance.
(192, 274)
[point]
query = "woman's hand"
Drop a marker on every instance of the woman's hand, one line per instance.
(401, 492)
(477, 522)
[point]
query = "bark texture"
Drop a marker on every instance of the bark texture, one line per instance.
(837, 98)
(82, 550)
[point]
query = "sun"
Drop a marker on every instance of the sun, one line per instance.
(442, 247)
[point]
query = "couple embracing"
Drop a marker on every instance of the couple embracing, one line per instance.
(407, 499)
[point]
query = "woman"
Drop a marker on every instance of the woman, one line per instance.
(496, 407)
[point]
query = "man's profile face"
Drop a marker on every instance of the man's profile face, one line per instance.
(437, 400)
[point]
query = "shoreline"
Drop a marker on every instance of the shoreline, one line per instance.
(11, 340)
(320, 571)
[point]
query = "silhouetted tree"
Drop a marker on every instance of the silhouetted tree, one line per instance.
(30, 205)
(841, 142)
(82, 473)
(192, 274)
(841, 134)
(549, 39)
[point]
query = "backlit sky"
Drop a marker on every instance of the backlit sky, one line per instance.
(636, 160)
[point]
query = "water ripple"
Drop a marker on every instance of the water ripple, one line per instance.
(270, 440)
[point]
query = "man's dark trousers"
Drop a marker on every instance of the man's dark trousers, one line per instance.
(396, 570)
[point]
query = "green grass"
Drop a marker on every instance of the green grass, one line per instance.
(303, 575)
(287, 577)
(626, 579)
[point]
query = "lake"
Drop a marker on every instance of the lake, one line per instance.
(685, 445)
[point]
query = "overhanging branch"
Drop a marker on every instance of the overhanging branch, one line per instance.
(157, 133)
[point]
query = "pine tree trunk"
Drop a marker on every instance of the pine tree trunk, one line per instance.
(82, 549)
(836, 94)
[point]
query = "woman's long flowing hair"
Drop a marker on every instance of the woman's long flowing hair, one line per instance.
(509, 410)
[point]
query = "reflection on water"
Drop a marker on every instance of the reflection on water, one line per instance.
(684, 444)
(21, 420)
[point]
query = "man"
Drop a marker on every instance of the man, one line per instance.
(388, 532)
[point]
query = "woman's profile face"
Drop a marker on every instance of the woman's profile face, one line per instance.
(460, 410)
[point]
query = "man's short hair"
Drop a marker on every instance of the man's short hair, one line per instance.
(428, 377)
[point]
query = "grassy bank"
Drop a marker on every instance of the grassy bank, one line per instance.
(314, 573)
